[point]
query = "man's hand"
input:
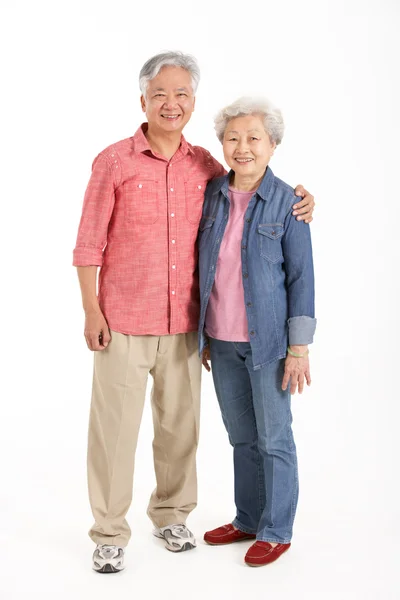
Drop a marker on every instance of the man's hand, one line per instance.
(97, 334)
(205, 358)
(304, 209)
(296, 369)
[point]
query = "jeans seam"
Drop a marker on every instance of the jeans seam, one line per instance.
(296, 478)
(275, 541)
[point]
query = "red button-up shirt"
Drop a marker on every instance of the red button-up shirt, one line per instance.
(139, 224)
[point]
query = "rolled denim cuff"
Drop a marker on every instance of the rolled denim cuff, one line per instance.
(301, 330)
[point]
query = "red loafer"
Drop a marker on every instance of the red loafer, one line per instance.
(226, 534)
(262, 553)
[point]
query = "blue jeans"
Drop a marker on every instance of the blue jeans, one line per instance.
(257, 416)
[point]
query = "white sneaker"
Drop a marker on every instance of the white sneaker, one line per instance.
(108, 559)
(177, 538)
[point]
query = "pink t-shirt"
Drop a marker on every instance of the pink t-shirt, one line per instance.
(226, 318)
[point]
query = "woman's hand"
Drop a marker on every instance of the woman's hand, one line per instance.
(296, 369)
(304, 209)
(205, 358)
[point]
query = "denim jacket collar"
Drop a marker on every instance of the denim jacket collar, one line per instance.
(263, 189)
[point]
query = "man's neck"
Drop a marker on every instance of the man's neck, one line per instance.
(163, 143)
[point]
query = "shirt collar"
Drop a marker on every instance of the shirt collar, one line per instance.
(141, 143)
(263, 189)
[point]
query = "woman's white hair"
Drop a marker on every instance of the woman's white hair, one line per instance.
(153, 66)
(271, 116)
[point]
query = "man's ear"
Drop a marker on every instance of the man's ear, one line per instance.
(194, 102)
(143, 103)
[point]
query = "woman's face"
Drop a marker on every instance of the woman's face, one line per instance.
(247, 147)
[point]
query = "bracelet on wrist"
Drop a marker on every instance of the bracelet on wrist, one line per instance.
(295, 354)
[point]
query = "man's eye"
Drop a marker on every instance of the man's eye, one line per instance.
(159, 96)
(232, 139)
(182, 94)
(253, 138)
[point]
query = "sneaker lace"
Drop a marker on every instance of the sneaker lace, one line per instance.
(179, 528)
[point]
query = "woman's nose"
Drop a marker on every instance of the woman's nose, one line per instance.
(242, 147)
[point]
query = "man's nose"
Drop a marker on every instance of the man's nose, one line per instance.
(170, 102)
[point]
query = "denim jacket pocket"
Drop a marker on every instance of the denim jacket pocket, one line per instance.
(269, 241)
(205, 229)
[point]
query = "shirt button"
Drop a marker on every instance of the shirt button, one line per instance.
(249, 304)
(199, 187)
(172, 214)
(173, 241)
(112, 155)
(173, 266)
(248, 220)
(172, 189)
(245, 275)
(252, 332)
(140, 185)
(173, 293)
(244, 247)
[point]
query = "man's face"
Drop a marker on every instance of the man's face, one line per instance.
(169, 101)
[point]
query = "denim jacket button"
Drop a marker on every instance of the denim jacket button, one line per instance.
(252, 332)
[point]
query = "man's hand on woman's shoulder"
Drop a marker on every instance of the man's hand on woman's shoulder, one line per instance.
(304, 209)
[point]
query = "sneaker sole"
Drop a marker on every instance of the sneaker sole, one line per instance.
(184, 548)
(107, 569)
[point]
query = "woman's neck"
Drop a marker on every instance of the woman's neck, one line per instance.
(246, 183)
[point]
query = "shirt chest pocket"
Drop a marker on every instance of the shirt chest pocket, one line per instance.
(141, 201)
(194, 199)
(270, 241)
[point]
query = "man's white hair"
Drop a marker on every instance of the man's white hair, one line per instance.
(271, 116)
(152, 67)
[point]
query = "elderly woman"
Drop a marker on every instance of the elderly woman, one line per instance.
(257, 319)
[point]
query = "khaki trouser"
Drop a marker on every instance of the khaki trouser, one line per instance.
(119, 388)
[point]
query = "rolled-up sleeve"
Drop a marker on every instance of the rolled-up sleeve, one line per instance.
(97, 209)
(298, 263)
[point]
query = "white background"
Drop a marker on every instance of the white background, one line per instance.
(69, 89)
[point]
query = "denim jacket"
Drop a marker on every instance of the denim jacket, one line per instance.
(277, 266)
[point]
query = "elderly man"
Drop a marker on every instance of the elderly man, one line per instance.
(139, 224)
